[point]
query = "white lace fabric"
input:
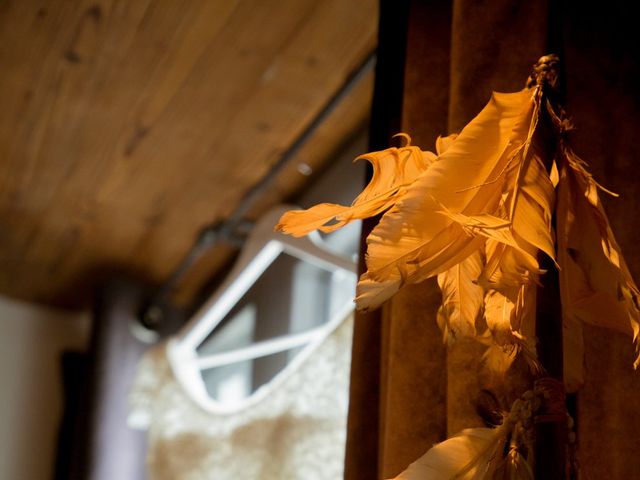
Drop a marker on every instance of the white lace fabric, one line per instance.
(295, 431)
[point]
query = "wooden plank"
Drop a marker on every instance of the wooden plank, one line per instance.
(126, 126)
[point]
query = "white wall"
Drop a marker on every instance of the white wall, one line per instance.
(31, 341)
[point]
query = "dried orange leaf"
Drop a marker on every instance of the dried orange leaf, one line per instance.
(393, 170)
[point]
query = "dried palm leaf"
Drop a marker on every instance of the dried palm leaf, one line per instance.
(371, 294)
(522, 218)
(507, 266)
(503, 452)
(415, 240)
(394, 169)
(445, 460)
(462, 297)
(500, 314)
(510, 317)
(467, 178)
(595, 284)
(477, 216)
(478, 454)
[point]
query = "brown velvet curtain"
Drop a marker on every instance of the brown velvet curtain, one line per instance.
(409, 390)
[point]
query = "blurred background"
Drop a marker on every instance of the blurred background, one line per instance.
(131, 132)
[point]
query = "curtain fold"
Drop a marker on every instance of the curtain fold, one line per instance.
(413, 384)
(602, 63)
(457, 53)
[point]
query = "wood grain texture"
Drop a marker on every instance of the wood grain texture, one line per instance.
(126, 126)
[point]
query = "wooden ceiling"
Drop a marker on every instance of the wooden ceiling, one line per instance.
(126, 126)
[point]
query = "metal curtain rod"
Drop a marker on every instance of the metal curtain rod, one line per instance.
(235, 227)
